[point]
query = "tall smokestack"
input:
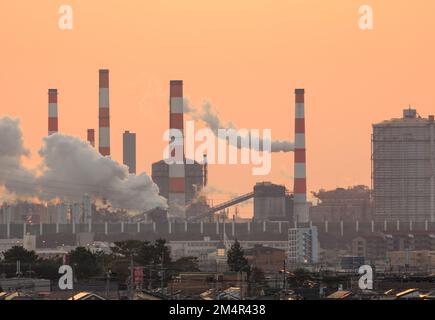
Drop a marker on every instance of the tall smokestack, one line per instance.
(91, 137)
(52, 111)
(300, 171)
(129, 151)
(104, 114)
(177, 197)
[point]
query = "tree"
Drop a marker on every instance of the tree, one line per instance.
(257, 281)
(257, 276)
(48, 268)
(84, 263)
(236, 258)
(162, 253)
(20, 254)
(128, 248)
(185, 264)
(152, 256)
(143, 252)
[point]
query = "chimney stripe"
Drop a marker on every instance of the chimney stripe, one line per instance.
(53, 124)
(104, 113)
(300, 182)
(176, 197)
(177, 105)
(91, 137)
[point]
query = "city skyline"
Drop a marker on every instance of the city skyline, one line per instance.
(254, 151)
(250, 83)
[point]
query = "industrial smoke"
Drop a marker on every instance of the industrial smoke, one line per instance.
(212, 120)
(71, 168)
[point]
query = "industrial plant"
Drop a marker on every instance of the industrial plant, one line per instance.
(386, 225)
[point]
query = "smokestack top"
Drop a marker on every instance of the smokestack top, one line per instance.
(104, 78)
(300, 95)
(176, 88)
(91, 137)
(52, 95)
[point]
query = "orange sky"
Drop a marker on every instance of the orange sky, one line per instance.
(245, 57)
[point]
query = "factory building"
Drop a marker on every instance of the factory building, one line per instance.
(62, 213)
(403, 153)
(302, 246)
(340, 204)
(51, 214)
(194, 178)
(87, 209)
(21, 212)
(5, 214)
(272, 202)
(76, 213)
(129, 151)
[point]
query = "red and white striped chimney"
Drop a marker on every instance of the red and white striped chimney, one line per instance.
(104, 114)
(91, 137)
(177, 197)
(300, 171)
(52, 111)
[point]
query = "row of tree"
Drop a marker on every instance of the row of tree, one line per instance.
(155, 257)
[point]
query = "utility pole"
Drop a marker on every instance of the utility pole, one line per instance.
(108, 276)
(150, 280)
(131, 277)
(163, 272)
(18, 272)
(285, 277)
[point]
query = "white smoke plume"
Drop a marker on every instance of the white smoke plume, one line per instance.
(70, 169)
(212, 120)
(13, 176)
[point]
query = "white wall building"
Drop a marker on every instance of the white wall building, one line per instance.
(302, 246)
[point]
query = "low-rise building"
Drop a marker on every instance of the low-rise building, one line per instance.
(372, 246)
(402, 261)
(193, 284)
(265, 258)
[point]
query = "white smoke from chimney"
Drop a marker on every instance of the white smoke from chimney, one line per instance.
(14, 177)
(212, 120)
(71, 168)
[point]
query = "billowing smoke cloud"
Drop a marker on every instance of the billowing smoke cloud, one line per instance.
(73, 167)
(13, 176)
(70, 169)
(212, 120)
